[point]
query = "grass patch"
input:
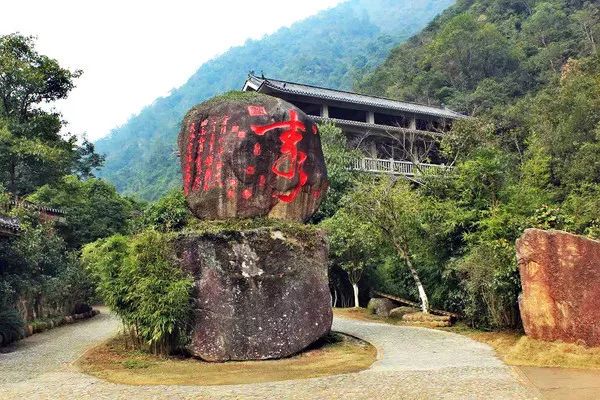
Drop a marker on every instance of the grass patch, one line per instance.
(334, 354)
(516, 349)
(136, 364)
(512, 347)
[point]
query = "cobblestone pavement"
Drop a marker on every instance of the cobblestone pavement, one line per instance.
(413, 363)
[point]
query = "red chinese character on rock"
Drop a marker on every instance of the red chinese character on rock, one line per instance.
(289, 164)
(259, 157)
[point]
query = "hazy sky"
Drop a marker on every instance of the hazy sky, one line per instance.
(134, 51)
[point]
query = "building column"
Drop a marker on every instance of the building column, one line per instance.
(412, 123)
(324, 111)
(370, 117)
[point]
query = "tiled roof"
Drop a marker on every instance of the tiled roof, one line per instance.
(32, 206)
(9, 224)
(350, 97)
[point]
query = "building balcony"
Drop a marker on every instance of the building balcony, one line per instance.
(396, 167)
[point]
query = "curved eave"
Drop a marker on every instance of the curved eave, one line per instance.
(397, 107)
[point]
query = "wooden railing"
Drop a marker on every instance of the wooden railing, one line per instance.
(396, 167)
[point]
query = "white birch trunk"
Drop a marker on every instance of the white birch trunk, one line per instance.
(415, 275)
(355, 288)
(420, 288)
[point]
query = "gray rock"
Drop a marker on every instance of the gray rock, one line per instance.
(259, 293)
(381, 306)
(399, 312)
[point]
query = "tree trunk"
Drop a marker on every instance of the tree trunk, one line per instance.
(422, 295)
(355, 289)
(12, 185)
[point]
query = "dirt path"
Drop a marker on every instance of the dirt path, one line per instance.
(414, 363)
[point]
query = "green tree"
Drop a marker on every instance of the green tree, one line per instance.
(169, 213)
(32, 150)
(353, 246)
(93, 209)
(397, 213)
(38, 274)
(338, 159)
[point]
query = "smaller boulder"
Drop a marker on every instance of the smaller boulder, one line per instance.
(399, 312)
(381, 306)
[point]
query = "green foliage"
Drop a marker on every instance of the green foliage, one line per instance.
(38, 274)
(140, 283)
(491, 284)
(11, 326)
(169, 213)
(93, 209)
(353, 243)
(387, 222)
(529, 71)
(478, 56)
(32, 150)
(329, 49)
(338, 157)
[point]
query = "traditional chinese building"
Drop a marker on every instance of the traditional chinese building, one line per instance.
(396, 137)
(46, 214)
(8, 226)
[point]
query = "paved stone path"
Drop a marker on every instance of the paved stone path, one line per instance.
(413, 363)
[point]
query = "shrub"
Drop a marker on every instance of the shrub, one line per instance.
(11, 326)
(169, 213)
(491, 284)
(140, 283)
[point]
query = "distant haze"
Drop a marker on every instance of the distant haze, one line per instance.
(132, 52)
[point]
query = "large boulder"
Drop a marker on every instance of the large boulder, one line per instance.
(560, 275)
(247, 155)
(259, 293)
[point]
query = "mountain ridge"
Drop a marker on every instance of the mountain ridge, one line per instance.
(332, 48)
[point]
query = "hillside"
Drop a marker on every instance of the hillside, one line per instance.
(481, 55)
(332, 48)
(529, 72)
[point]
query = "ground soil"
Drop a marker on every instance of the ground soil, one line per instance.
(114, 362)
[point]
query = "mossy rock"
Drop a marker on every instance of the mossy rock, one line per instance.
(381, 306)
(258, 293)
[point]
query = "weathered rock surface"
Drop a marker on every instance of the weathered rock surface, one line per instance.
(259, 294)
(399, 312)
(560, 275)
(381, 306)
(249, 155)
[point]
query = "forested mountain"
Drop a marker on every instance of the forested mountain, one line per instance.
(333, 49)
(480, 54)
(529, 73)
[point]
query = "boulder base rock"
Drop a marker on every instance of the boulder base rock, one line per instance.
(259, 294)
(560, 275)
(247, 155)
